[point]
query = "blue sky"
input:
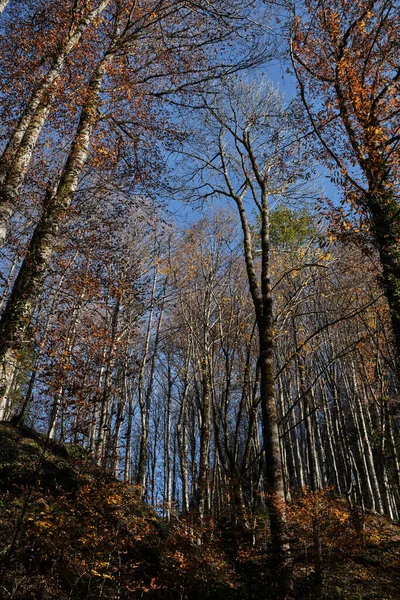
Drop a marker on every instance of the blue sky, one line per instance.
(276, 71)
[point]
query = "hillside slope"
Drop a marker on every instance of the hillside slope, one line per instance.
(70, 531)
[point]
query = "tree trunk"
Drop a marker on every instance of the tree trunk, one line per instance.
(18, 153)
(8, 371)
(273, 464)
(144, 397)
(273, 467)
(182, 437)
(262, 300)
(116, 437)
(205, 436)
(127, 477)
(18, 311)
(385, 217)
(3, 5)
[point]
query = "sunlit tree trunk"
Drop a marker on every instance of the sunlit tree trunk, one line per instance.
(8, 373)
(18, 311)
(18, 153)
(3, 5)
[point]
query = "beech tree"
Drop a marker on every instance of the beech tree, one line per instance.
(18, 311)
(233, 368)
(346, 62)
(3, 5)
(17, 155)
(251, 153)
(161, 71)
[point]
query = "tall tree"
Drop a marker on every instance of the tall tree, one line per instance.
(252, 155)
(18, 311)
(17, 155)
(346, 60)
(157, 68)
(3, 5)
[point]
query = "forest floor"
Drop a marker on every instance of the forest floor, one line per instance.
(68, 530)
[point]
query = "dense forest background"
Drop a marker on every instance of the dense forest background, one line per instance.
(183, 298)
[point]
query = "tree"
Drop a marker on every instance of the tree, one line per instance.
(252, 155)
(347, 66)
(17, 155)
(3, 5)
(157, 68)
(18, 311)
(93, 19)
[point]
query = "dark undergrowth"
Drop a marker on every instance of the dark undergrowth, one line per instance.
(70, 531)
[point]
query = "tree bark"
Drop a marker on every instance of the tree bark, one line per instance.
(17, 155)
(100, 445)
(205, 437)
(263, 305)
(19, 308)
(385, 217)
(3, 5)
(8, 372)
(144, 397)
